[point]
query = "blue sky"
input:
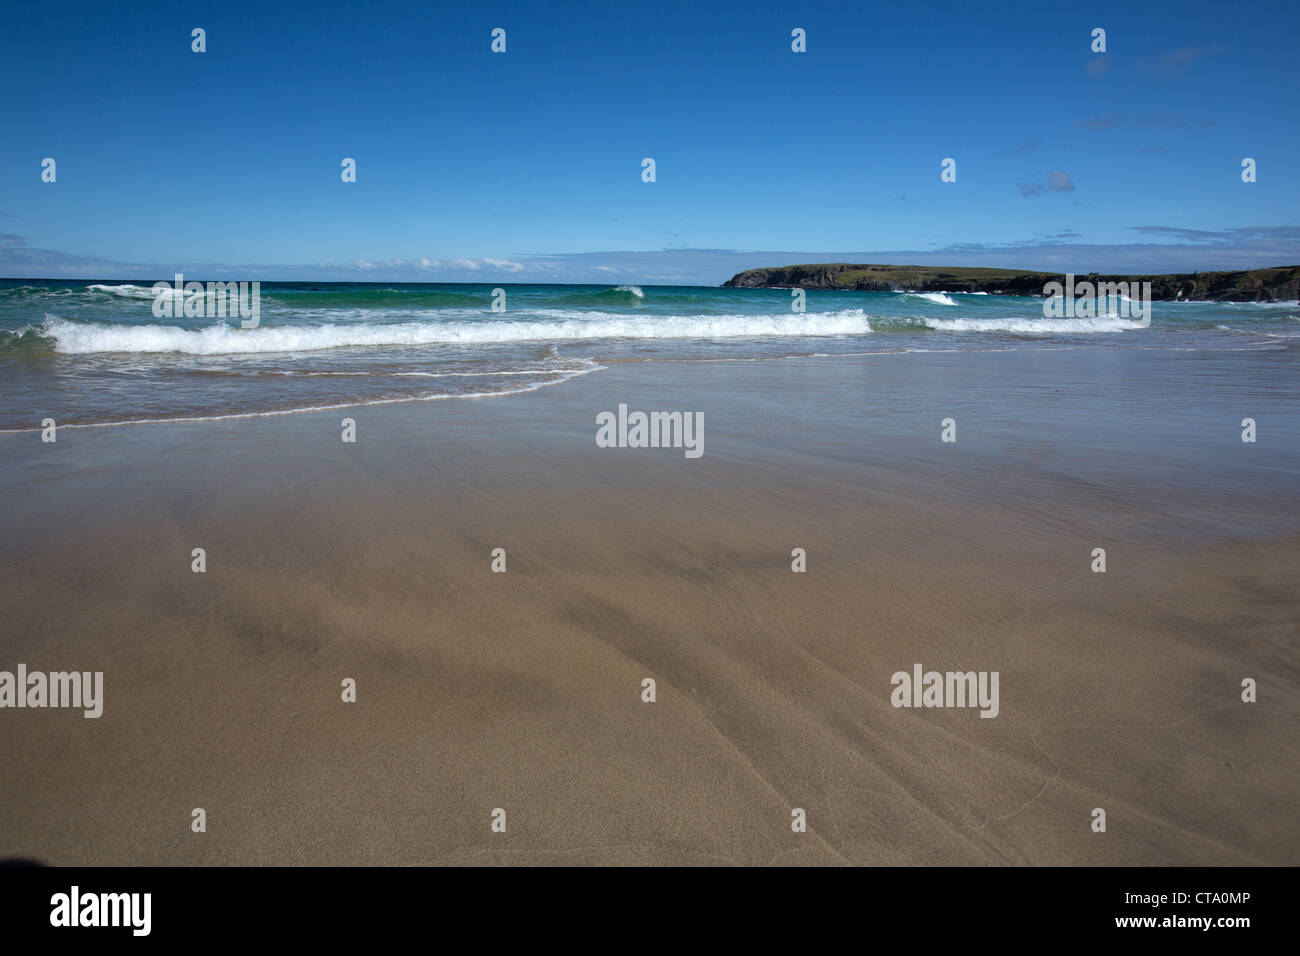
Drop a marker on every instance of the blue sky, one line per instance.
(527, 165)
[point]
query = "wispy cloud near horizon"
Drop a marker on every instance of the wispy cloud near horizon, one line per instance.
(1175, 62)
(1188, 250)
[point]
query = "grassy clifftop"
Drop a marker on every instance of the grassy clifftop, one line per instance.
(1281, 283)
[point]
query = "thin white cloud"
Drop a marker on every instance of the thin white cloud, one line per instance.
(1058, 181)
(1165, 249)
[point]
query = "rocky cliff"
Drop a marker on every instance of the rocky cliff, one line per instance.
(1277, 284)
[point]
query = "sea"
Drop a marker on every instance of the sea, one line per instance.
(93, 353)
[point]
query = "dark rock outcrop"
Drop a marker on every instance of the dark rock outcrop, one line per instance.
(1277, 284)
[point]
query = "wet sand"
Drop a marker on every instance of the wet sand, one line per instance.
(522, 690)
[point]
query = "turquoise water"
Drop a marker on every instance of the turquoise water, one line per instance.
(93, 352)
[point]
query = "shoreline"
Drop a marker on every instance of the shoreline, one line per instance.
(1277, 344)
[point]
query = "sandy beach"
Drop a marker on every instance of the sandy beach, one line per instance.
(522, 690)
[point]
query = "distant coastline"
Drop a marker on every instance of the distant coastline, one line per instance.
(1277, 284)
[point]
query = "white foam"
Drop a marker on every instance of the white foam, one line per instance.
(129, 291)
(85, 338)
(634, 289)
(942, 298)
(562, 376)
(1041, 326)
(1281, 304)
